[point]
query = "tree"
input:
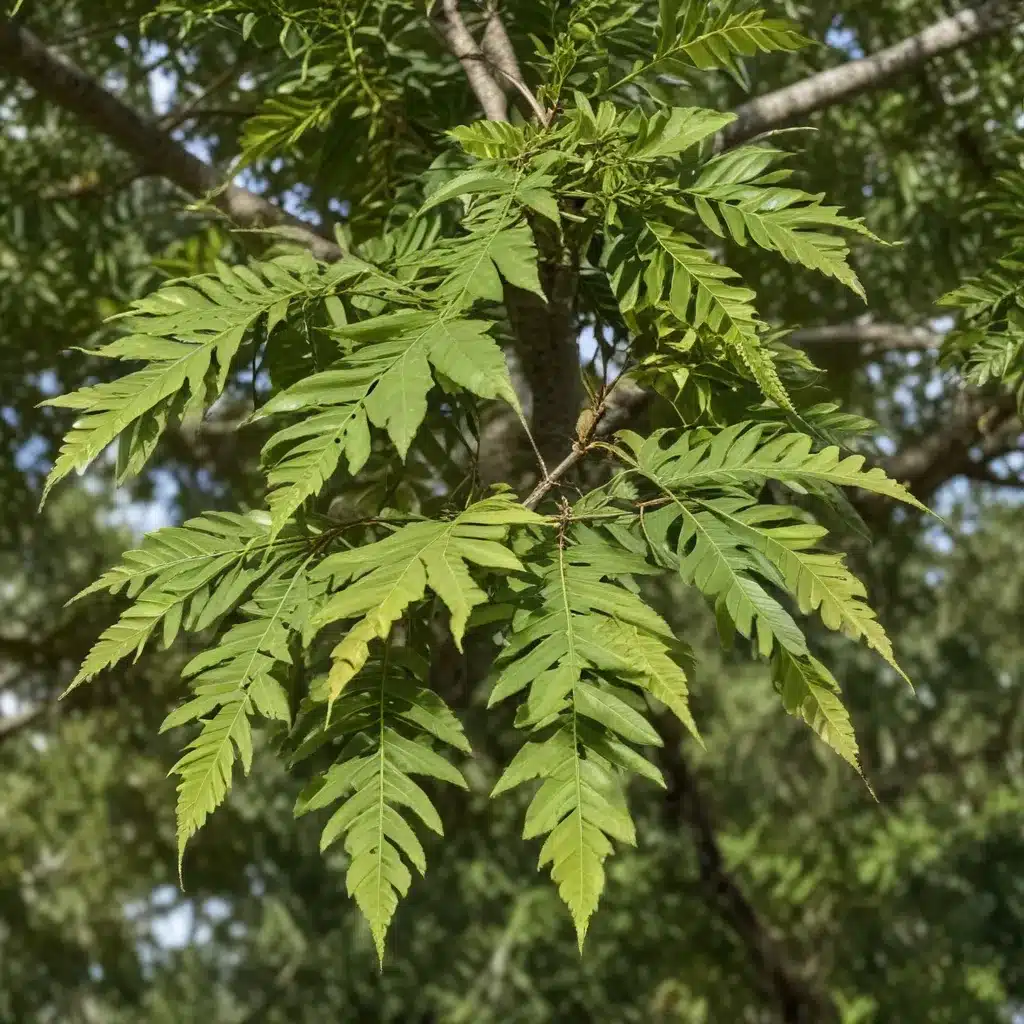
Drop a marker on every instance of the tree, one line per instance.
(605, 193)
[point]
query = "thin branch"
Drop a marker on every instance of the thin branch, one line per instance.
(884, 337)
(107, 28)
(614, 409)
(191, 106)
(58, 80)
(540, 113)
(552, 479)
(984, 473)
(463, 46)
(836, 85)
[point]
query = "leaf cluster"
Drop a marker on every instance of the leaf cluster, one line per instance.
(381, 370)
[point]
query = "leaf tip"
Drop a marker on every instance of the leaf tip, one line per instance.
(379, 934)
(582, 923)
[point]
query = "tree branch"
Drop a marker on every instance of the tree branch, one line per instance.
(884, 337)
(189, 107)
(836, 85)
(544, 330)
(464, 48)
(779, 108)
(56, 79)
(797, 1000)
(497, 47)
(500, 55)
(984, 473)
(980, 430)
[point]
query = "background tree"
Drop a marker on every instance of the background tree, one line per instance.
(766, 883)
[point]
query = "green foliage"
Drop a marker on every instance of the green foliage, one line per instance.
(385, 382)
(734, 549)
(388, 719)
(384, 578)
(183, 576)
(387, 369)
(189, 334)
(230, 681)
(573, 645)
(988, 343)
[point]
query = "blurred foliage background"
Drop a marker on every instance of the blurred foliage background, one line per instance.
(771, 869)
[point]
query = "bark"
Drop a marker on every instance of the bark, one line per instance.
(877, 337)
(467, 52)
(549, 356)
(837, 85)
(55, 78)
(550, 366)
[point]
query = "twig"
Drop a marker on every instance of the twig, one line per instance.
(551, 480)
(189, 107)
(543, 116)
(91, 31)
(604, 419)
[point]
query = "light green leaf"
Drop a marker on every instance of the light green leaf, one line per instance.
(810, 692)
(377, 789)
(379, 581)
(188, 334)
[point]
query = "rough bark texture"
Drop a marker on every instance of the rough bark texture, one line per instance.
(467, 52)
(549, 355)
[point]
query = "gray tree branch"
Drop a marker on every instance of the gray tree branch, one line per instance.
(981, 429)
(924, 467)
(878, 337)
(497, 47)
(544, 331)
(500, 55)
(468, 53)
(836, 85)
(56, 79)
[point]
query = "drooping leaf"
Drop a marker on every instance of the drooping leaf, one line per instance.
(393, 719)
(377, 582)
(571, 654)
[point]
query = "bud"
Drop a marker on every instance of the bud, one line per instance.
(585, 425)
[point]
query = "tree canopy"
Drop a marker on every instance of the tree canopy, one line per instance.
(438, 438)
